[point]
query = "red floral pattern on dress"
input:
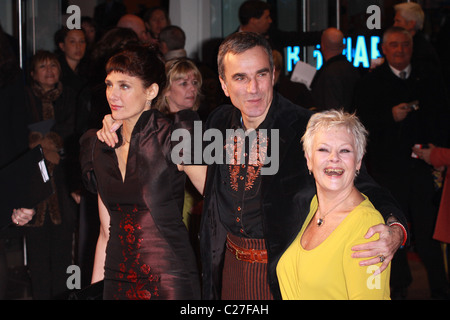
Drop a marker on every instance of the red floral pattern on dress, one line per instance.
(142, 283)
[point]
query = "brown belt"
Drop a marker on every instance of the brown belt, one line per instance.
(247, 255)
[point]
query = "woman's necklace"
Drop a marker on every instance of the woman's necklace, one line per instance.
(321, 221)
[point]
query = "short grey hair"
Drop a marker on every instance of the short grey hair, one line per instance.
(393, 29)
(411, 11)
(239, 42)
(328, 119)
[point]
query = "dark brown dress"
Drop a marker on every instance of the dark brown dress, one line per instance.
(148, 255)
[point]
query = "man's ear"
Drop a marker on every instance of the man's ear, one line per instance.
(224, 86)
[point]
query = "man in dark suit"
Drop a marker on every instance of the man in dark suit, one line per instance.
(402, 103)
(333, 84)
(250, 218)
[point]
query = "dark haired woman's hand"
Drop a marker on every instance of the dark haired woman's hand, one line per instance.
(108, 134)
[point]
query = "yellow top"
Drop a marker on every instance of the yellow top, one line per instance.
(328, 272)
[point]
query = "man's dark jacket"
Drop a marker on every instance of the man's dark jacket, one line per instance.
(285, 196)
(333, 84)
(389, 149)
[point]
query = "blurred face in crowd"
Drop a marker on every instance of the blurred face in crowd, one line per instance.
(399, 21)
(157, 22)
(262, 24)
(398, 50)
(248, 81)
(141, 31)
(89, 31)
(46, 73)
(127, 96)
(136, 24)
(183, 92)
(74, 45)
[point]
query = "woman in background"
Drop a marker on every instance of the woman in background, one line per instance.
(182, 90)
(155, 20)
(71, 44)
(51, 109)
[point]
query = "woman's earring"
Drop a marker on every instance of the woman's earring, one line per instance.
(356, 173)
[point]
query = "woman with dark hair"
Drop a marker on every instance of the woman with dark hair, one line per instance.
(71, 50)
(110, 43)
(51, 118)
(113, 41)
(91, 32)
(143, 250)
(155, 20)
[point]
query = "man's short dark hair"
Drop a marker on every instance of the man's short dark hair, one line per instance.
(174, 37)
(239, 42)
(252, 9)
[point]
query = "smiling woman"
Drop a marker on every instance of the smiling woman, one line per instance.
(318, 263)
(143, 250)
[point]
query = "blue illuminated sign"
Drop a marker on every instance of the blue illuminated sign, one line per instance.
(359, 55)
(293, 57)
